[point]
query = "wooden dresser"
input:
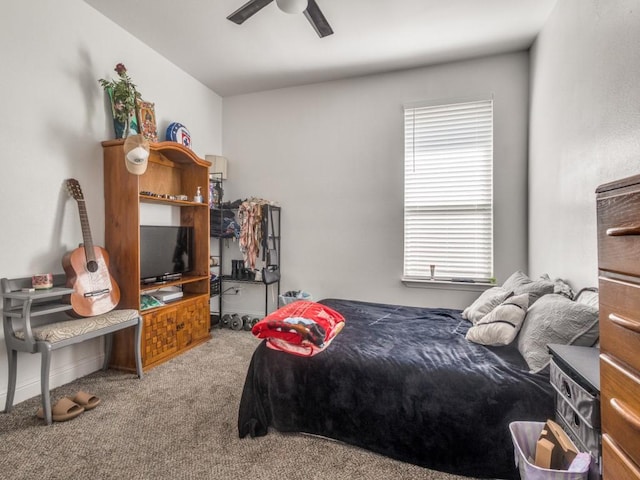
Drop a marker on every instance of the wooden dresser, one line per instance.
(618, 209)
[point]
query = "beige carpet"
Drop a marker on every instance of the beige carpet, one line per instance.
(179, 422)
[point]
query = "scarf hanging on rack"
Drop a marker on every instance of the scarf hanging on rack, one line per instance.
(250, 215)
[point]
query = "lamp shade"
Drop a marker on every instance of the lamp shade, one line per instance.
(292, 6)
(218, 165)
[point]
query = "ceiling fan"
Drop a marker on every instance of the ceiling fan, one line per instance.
(308, 7)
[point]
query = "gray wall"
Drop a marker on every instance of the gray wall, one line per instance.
(332, 155)
(585, 128)
(54, 118)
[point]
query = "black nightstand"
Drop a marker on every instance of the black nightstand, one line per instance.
(575, 376)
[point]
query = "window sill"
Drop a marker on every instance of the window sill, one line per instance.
(446, 284)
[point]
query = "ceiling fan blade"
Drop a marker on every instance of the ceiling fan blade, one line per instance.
(317, 19)
(247, 10)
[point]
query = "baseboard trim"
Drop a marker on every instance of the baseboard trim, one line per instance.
(60, 376)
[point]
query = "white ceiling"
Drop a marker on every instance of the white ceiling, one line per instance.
(273, 49)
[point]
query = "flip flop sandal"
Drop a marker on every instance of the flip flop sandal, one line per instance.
(86, 400)
(62, 411)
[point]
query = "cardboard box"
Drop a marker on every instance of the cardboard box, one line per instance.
(544, 453)
(554, 448)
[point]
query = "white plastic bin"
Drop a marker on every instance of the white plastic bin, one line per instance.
(294, 295)
(525, 436)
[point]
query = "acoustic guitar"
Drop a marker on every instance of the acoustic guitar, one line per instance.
(87, 268)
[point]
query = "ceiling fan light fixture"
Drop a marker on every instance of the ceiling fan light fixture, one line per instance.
(309, 7)
(292, 6)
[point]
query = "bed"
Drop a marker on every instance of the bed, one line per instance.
(403, 382)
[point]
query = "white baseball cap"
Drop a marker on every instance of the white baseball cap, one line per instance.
(136, 153)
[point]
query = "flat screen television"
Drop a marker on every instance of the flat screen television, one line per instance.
(166, 252)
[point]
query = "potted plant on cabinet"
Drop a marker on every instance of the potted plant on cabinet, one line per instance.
(123, 96)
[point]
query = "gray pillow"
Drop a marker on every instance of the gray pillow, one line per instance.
(516, 279)
(502, 324)
(556, 319)
(520, 283)
(486, 302)
(561, 286)
(588, 296)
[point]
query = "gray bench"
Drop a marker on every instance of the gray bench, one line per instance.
(20, 308)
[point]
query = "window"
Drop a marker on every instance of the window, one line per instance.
(448, 191)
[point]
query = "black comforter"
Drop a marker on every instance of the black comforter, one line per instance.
(403, 382)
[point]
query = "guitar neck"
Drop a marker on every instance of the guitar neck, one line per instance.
(86, 232)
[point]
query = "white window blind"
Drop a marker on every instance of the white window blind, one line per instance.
(448, 191)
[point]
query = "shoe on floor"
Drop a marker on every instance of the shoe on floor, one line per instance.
(86, 400)
(63, 410)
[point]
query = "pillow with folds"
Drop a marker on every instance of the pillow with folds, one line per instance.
(555, 319)
(588, 296)
(302, 328)
(520, 283)
(486, 302)
(502, 324)
(515, 280)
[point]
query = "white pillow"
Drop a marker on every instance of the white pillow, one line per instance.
(502, 324)
(486, 302)
(556, 319)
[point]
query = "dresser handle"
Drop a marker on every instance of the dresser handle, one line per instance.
(625, 322)
(623, 231)
(625, 413)
(565, 387)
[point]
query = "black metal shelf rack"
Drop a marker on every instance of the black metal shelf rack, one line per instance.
(271, 232)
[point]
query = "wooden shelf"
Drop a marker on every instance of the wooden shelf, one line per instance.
(172, 169)
(172, 152)
(167, 201)
(185, 299)
(184, 280)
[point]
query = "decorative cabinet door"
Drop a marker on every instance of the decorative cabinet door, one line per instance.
(194, 321)
(159, 335)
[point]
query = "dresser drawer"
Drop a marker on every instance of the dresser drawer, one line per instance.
(596, 461)
(615, 464)
(588, 436)
(574, 396)
(621, 406)
(619, 233)
(620, 320)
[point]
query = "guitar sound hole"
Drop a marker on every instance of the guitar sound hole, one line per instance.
(92, 266)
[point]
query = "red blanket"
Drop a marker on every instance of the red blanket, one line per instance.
(302, 328)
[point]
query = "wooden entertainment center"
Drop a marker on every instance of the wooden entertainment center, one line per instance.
(172, 170)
